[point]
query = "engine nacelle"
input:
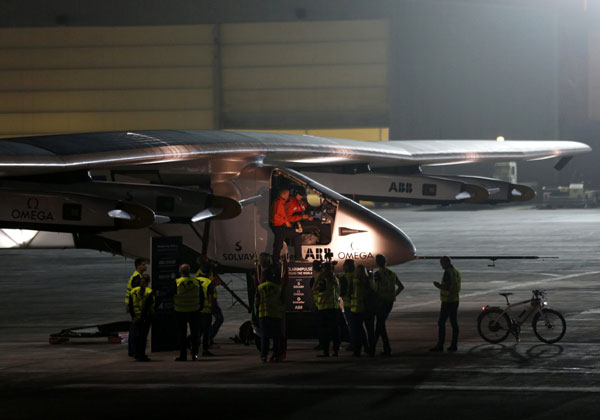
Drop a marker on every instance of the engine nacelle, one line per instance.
(499, 191)
(103, 206)
(414, 189)
(423, 189)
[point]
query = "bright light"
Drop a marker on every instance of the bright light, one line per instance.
(324, 159)
(14, 238)
(500, 138)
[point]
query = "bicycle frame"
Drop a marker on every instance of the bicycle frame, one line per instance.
(524, 316)
(536, 304)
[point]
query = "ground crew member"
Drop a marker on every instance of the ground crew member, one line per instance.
(269, 300)
(346, 280)
(141, 264)
(362, 312)
(189, 301)
(449, 291)
(328, 308)
(141, 308)
(206, 269)
(387, 287)
(282, 227)
(208, 289)
(317, 265)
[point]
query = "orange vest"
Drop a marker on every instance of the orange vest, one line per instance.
(294, 210)
(278, 216)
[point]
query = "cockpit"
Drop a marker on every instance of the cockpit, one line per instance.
(314, 210)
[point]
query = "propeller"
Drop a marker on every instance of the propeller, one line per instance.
(463, 196)
(207, 214)
(250, 200)
(220, 208)
(120, 214)
(159, 219)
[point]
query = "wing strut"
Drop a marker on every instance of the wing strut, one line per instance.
(492, 258)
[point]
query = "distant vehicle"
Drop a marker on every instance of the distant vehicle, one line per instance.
(575, 195)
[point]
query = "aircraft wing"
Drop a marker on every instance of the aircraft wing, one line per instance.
(72, 152)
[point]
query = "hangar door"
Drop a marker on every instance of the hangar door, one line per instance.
(328, 74)
(283, 75)
(59, 80)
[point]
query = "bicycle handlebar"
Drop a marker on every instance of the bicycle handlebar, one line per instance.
(537, 293)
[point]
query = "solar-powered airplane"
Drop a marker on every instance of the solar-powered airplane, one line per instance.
(114, 191)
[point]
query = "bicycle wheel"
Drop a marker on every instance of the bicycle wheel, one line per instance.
(549, 326)
(493, 326)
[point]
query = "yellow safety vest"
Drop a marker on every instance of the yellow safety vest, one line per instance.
(131, 286)
(346, 297)
(270, 304)
(187, 298)
(386, 286)
(205, 283)
(201, 273)
(140, 301)
(451, 293)
(328, 298)
(358, 296)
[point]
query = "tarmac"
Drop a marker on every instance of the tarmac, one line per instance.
(43, 292)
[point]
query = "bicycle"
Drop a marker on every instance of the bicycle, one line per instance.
(494, 323)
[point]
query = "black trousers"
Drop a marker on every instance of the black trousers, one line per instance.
(132, 339)
(270, 329)
(204, 332)
(283, 233)
(448, 310)
(183, 319)
(329, 330)
(363, 328)
(143, 328)
(381, 315)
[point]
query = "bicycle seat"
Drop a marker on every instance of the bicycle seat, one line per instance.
(505, 294)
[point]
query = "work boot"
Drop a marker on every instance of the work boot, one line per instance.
(452, 349)
(437, 348)
(180, 359)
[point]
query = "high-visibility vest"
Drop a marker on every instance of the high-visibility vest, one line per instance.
(140, 302)
(201, 273)
(385, 288)
(205, 283)
(451, 293)
(358, 297)
(328, 298)
(134, 281)
(349, 277)
(270, 304)
(187, 298)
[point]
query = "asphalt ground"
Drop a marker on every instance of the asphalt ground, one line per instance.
(43, 292)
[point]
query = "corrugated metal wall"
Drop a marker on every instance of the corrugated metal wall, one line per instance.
(94, 79)
(298, 75)
(594, 76)
(305, 74)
